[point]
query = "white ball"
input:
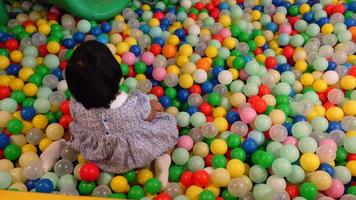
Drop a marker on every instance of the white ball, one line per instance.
(276, 183)
(225, 77)
(331, 77)
(62, 86)
(200, 76)
(194, 30)
(186, 4)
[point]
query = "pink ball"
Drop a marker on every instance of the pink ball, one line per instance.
(328, 142)
(243, 75)
(159, 73)
(247, 114)
(336, 189)
(55, 10)
(290, 140)
(285, 28)
(185, 142)
(148, 58)
(128, 58)
(225, 32)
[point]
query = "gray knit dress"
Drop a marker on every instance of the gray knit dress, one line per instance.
(119, 140)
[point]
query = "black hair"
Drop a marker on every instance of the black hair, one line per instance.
(93, 75)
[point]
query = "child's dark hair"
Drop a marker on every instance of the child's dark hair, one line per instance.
(93, 75)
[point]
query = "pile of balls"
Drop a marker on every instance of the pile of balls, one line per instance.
(263, 92)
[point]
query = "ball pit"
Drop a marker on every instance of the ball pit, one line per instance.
(263, 93)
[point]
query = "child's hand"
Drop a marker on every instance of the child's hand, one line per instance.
(155, 107)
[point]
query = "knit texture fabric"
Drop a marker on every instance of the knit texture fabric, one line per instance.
(120, 139)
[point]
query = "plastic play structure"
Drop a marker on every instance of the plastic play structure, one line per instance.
(87, 9)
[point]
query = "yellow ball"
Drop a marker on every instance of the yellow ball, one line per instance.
(351, 165)
(214, 189)
(219, 112)
(40, 121)
(307, 79)
(172, 69)
(44, 143)
(321, 179)
(173, 39)
(30, 29)
(16, 84)
(309, 162)
(236, 168)
(185, 50)
(304, 8)
(225, 20)
(193, 192)
(260, 40)
(140, 77)
(256, 15)
(54, 131)
(334, 114)
(53, 47)
(119, 184)
(221, 123)
(17, 175)
(277, 116)
(27, 157)
(16, 56)
(351, 134)
(234, 72)
(122, 47)
(45, 29)
(186, 81)
(81, 159)
(218, 147)
(237, 99)
(130, 41)
(25, 73)
(327, 28)
(29, 148)
(182, 60)
(211, 51)
(143, 175)
(4, 62)
(349, 107)
(320, 85)
(153, 22)
(30, 89)
(18, 187)
(348, 82)
(320, 110)
(220, 177)
(230, 42)
(260, 58)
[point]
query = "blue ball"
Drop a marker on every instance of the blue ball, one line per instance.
(139, 12)
(159, 40)
(207, 87)
(272, 27)
(165, 101)
(58, 73)
(103, 38)
(299, 118)
(308, 17)
(322, 21)
(44, 185)
(4, 141)
(31, 184)
(249, 145)
(334, 126)
(223, 6)
(192, 109)
(247, 58)
(352, 6)
(259, 8)
(180, 33)
(145, 28)
(232, 117)
(216, 70)
(350, 22)
(288, 126)
(79, 37)
(165, 21)
(105, 27)
(183, 95)
(69, 43)
(13, 69)
(327, 168)
(286, 4)
(331, 65)
(95, 31)
(284, 67)
(27, 113)
(135, 49)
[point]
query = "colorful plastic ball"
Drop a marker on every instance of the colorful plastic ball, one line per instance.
(309, 162)
(201, 178)
(220, 177)
(143, 175)
(153, 186)
(180, 156)
(218, 146)
(206, 195)
(44, 185)
(89, 172)
(5, 180)
(336, 189)
(119, 184)
(12, 152)
(308, 190)
(185, 142)
(86, 188)
(135, 192)
(249, 145)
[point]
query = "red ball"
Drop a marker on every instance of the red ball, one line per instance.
(162, 196)
(260, 106)
(132, 72)
(65, 120)
(155, 49)
(199, 5)
(263, 90)
(270, 62)
(258, 51)
(89, 172)
(215, 13)
(205, 108)
(208, 160)
(254, 99)
(201, 178)
(218, 37)
(209, 119)
(328, 105)
(338, 8)
(292, 190)
(329, 9)
(63, 64)
(187, 178)
(352, 71)
(322, 97)
(52, 16)
(216, 2)
(158, 91)
(219, 198)
(209, 6)
(64, 107)
(5, 92)
(288, 51)
(11, 44)
(195, 89)
(193, 16)
(292, 20)
(2, 154)
(158, 15)
(42, 50)
(27, 23)
(351, 156)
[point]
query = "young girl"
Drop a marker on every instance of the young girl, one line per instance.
(115, 130)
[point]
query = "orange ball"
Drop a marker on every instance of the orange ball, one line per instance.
(169, 50)
(203, 64)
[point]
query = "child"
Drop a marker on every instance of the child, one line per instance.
(117, 131)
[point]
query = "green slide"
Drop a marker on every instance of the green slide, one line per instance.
(3, 13)
(91, 9)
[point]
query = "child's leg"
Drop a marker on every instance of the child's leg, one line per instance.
(51, 154)
(162, 164)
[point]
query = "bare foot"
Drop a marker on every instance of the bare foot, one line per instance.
(162, 164)
(51, 154)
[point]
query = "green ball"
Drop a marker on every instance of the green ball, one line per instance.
(18, 96)
(104, 178)
(42, 105)
(131, 176)
(297, 175)
(266, 159)
(170, 92)
(140, 67)
(282, 167)
(219, 161)
(341, 154)
(86, 188)
(351, 190)
(175, 172)
(153, 186)
(293, 10)
(195, 163)
(256, 156)
(227, 196)
(206, 195)
(4, 52)
(42, 70)
(5, 180)
(136, 192)
(14, 126)
(117, 196)
(28, 102)
(35, 79)
(238, 153)
(308, 191)
(124, 88)
(198, 119)
(262, 122)
(12, 152)
(214, 99)
(258, 174)
(233, 140)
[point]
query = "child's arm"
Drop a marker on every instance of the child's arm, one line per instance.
(155, 107)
